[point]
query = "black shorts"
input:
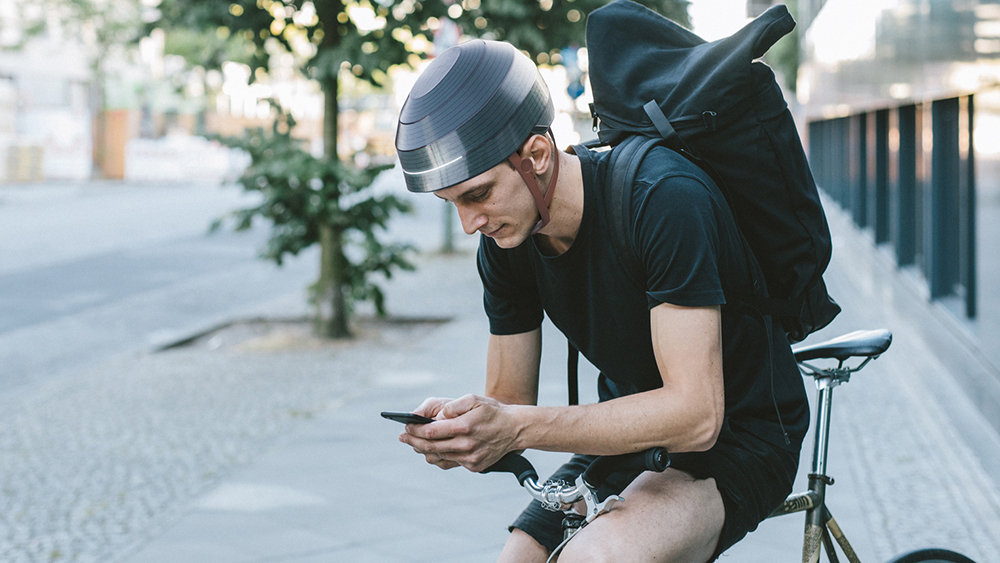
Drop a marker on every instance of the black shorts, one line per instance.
(753, 477)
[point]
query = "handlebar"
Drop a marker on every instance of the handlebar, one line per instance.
(515, 464)
(557, 495)
(653, 459)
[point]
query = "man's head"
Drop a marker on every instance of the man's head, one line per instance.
(476, 105)
(496, 202)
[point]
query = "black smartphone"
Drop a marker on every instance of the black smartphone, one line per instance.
(406, 417)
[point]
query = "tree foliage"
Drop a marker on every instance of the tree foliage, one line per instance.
(366, 38)
(302, 194)
(206, 49)
(784, 55)
(370, 36)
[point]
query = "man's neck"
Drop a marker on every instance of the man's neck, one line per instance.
(566, 209)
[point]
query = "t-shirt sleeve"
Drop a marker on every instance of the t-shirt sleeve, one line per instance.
(677, 237)
(510, 292)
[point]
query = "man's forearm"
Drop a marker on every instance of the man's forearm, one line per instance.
(512, 363)
(628, 424)
(685, 414)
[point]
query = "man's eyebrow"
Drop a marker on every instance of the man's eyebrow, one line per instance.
(486, 184)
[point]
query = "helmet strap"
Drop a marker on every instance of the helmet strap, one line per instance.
(523, 167)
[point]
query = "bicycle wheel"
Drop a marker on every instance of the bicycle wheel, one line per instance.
(932, 555)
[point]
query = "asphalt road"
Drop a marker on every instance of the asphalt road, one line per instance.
(91, 270)
(94, 269)
(97, 450)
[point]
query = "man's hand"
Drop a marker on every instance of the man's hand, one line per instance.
(472, 431)
(431, 408)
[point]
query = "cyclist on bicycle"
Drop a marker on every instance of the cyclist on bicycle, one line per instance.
(681, 366)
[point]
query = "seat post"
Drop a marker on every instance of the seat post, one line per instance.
(823, 415)
(818, 480)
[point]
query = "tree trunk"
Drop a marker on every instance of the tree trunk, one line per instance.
(331, 305)
(331, 288)
(99, 122)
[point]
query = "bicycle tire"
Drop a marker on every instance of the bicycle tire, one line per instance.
(932, 555)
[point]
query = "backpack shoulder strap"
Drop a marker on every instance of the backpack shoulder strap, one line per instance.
(623, 166)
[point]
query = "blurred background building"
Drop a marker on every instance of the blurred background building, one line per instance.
(902, 101)
(44, 102)
(87, 91)
(91, 90)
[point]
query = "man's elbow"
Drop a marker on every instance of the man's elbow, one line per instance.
(706, 434)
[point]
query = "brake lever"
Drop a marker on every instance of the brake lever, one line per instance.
(594, 508)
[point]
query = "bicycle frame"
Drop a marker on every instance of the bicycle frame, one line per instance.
(820, 524)
(820, 530)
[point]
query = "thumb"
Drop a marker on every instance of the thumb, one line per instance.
(460, 406)
(431, 407)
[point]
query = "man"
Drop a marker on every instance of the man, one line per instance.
(681, 366)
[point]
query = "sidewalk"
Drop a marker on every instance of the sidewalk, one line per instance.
(340, 488)
(272, 450)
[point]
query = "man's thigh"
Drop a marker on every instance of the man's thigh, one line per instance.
(667, 516)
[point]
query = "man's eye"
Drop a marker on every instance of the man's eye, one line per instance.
(479, 196)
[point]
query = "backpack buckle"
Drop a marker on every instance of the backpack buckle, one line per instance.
(708, 117)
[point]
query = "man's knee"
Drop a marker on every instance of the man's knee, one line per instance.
(522, 548)
(665, 517)
(586, 548)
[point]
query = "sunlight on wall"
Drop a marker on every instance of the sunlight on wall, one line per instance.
(715, 19)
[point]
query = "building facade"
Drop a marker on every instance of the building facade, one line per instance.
(902, 101)
(45, 114)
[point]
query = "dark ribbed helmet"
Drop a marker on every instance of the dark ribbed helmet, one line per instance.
(473, 107)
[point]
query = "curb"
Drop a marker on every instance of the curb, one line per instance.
(185, 337)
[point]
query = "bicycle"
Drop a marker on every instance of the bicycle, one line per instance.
(821, 529)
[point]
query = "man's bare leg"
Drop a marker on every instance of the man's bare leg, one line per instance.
(667, 516)
(522, 548)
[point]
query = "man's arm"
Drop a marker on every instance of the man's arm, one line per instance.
(512, 363)
(684, 415)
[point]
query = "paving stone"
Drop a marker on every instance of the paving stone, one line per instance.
(266, 451)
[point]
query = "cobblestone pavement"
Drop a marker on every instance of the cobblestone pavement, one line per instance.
(91, 466)
(919, 481)
(905, 424)
(94, 465)
(909, 451)
(97, 467)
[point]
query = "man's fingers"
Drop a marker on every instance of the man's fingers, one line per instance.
(440, 429)
(460, 445)
(464, 432)
(448, 454)
(441, 462)
(431, 407)
(460, 406)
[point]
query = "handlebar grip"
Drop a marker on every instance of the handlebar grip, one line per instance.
(654, 459)
(516, 464)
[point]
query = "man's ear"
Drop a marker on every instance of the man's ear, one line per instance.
(539, 150)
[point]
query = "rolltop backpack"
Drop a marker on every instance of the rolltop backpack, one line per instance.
(655, 82)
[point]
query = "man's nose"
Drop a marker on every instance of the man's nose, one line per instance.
(472, 220)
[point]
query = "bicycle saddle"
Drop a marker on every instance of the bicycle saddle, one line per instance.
(860, 343)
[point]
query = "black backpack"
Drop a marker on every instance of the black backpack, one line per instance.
(655, 82)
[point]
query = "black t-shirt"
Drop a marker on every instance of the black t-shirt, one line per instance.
(688, 242)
